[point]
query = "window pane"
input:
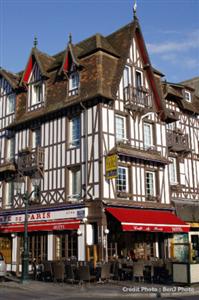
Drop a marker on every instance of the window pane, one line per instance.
(150, 184)
(126, 76)
(74, 81)
(147, 135)
(75, 131)
(11, 103)
(138, 79)
(76, 185)
(120, 128)
(172, 171)
(121, 180)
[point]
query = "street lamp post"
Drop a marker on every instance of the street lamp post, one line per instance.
(26, 197)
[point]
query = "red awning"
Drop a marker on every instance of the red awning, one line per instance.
(42, 226)
(148, 220)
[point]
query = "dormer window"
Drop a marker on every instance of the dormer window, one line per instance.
(73, 84)
(36, 89)
(10, 104)
(38, 95)
(187, 96)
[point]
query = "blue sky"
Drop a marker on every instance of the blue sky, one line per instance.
(170, 29)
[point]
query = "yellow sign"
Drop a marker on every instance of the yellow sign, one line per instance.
(111, 166)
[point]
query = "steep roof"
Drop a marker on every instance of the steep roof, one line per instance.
(102, 60)
(12, 78)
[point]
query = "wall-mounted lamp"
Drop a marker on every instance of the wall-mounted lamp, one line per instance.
(13, 235)
(79, 233)
(106, 231)
(84, 220)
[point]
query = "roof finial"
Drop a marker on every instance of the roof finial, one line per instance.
(70, 38)
(35, 43)
(134, 9)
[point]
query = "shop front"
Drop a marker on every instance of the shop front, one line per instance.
(141, 234)
(52, 235)
(187, 268)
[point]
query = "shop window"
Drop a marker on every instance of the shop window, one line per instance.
(65, 245)
(148, 135)
(173, 171)
(38, 246)
(122, 180)
(10, 104)
(150, 184)
(120, 128)
(75, 130)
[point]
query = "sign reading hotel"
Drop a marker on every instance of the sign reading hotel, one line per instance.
(111, 166)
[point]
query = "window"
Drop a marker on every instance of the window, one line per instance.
(75, 131)
(75, 183)
(74, 81)
(65, 245)
(127, 76)
(36, 138)
(150, 184)
(10, 149)
(187, 96)
(9, 194)
(37, 93)
(10, 103)
(120, 129)
(38, 246)
(148, 135)
(173, 170)
(122, 181)
(138, 79)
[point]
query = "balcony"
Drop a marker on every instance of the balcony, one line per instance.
(171, 115)
(137, 99)
(31, 161)
(7, 169)
(177, 141)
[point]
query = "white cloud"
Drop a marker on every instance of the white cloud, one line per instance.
(191, 41)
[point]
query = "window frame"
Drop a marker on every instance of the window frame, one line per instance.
(126, 189)
(9, 194)
(75, 191)
(147, 146)
(126, 80)
(75, 142)
(77, 81)
(8, 110)
(10, 155)
(154, 183)
(123, 138)
(174, 164)
(35, 143)
(189, 98)
(138, 87)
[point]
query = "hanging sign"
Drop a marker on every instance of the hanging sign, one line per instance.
(111, 166)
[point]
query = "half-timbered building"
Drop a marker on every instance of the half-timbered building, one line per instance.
(112, 147)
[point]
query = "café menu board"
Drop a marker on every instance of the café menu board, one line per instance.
(181, 247)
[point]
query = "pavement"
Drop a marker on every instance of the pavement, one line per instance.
(109, 289)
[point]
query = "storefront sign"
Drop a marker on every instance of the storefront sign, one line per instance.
(111, 166)
(44, 216)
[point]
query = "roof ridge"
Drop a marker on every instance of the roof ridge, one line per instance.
(120, 29)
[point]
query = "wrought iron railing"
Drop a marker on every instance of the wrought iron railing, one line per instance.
(177, 140)
(30, 160)
(137, 96)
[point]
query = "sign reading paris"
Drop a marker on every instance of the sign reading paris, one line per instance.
(111, 166)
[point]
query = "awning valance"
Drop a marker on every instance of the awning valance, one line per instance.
(68, 224)
(148, 220)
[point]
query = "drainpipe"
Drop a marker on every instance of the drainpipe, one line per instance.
(85, 148)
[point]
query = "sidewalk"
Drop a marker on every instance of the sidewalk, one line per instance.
(109, 289)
